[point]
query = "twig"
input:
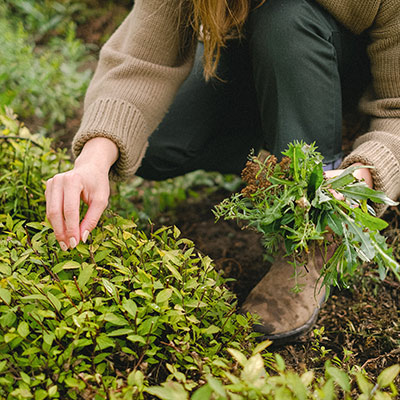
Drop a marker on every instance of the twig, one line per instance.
(391, 353)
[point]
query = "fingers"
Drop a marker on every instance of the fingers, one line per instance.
(62, 208)
(72, 193)
(92, 217)
(54, 210)
(63, 195)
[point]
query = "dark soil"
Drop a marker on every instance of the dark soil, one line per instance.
(361, 325)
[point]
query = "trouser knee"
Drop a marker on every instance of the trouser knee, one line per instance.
(279, 30)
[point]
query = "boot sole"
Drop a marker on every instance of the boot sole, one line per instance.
(290, 336)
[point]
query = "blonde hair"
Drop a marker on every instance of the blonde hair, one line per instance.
(218, 21)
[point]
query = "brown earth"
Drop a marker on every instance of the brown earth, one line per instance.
(357, 326)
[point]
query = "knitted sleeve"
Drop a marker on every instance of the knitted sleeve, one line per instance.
(380, 147)
(139, 71)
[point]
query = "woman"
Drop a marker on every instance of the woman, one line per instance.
(279, 69)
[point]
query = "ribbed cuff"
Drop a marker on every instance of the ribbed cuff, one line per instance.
(120, 122)
(385, 175)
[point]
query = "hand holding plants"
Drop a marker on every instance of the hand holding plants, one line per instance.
(293, 204)
(361, 174)
(88, 180)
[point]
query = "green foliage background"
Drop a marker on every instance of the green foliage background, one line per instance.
(43, 76)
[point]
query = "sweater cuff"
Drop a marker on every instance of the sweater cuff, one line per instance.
(120, 122)
(386, 171)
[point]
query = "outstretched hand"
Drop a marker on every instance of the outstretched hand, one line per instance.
(87, 181)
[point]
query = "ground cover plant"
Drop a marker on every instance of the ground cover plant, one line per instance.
(43, 80)
(132, 314)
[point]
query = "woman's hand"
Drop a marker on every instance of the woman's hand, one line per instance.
(89, 181)
(362, 174)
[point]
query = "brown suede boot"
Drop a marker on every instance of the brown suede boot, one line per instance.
(285, 315)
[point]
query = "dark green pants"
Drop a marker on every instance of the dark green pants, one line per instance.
(288, 79)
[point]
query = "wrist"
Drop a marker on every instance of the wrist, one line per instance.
(99, 152)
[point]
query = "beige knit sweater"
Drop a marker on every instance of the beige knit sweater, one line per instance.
(148, 57)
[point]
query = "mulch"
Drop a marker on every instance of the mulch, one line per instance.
(357, 326)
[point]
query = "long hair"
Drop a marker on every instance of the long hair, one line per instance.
(216, 22)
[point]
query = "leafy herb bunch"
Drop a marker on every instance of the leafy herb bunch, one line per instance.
(292, 203)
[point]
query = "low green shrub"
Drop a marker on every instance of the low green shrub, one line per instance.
(46, 83)
(43, 17)
(84, 320)
(129, 315)
(26, 162)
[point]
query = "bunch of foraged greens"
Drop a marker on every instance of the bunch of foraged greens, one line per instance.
(292, 202)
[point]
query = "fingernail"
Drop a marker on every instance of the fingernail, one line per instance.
(72, 242)
(63, 246)
(85, 236)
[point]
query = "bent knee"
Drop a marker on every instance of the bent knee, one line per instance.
(281, 27)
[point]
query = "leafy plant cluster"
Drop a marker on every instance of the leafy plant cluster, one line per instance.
(46, 17)
(292, 202)
(26, 162)
(44, 82)
(129, 315)
(127, 305)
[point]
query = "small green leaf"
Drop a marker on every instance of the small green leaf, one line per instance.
(54, 301)
(52, 390)
(40, 394)
(363, 383)
(5, 295)
(9, 223)
(388, 375)
(103, 341)
(238, 356)
(101, 255)
(202, 393)
(48, 337)
(360, 191)
(344, 179)
(136, 338)
(23, 329)
(370, 221)
(110, 288)
(316, 178)
(163, 295)
(85, 275)
(217, 386)
(115, 319)
(253, 369)
(280, 363)
(121, 332)
(169, 391)
(35, 225)
(130, 306)
(70, 264)
(340, 377)
(261, 346)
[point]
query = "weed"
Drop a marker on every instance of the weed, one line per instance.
(291, 202)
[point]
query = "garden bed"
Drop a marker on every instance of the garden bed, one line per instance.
(360, 325)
